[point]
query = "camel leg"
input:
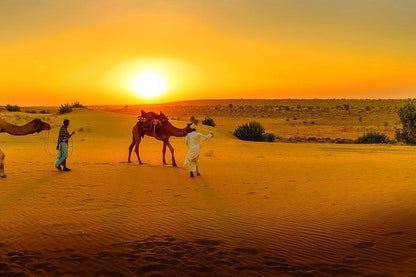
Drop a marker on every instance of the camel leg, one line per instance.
(137, 141)
(133, 143)
(172, 151)
(2, 156)
(164, 152)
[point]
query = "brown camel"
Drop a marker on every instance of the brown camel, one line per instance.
(34, 126)
(163, 133)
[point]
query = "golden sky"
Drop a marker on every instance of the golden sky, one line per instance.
(59, 51)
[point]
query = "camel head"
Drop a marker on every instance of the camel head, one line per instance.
(194, 120)
(188, 128)
(40, 126)
(162, 117)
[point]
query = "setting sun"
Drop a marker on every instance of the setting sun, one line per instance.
(148, 83)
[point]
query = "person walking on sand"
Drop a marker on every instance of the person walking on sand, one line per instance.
(62, 146)
(193, 141)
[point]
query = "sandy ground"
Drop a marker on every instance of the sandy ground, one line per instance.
(259, 209)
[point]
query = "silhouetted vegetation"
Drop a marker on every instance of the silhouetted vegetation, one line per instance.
(407, 115)
(12, 108)
(253, 131)
(65, 108)
(269, 137)
(44, 112)
(209, 121)
(373, 137)
(77, 105)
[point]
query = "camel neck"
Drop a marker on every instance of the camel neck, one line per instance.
(176, 132)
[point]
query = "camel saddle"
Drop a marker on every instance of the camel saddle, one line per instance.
(150, 121)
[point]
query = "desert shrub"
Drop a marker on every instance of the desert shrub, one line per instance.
(269, 137)
(407, 115)
(65, 108)
(44, 112)
(346, 107)
(252, 131)
(12, 108)
(30, 111)
(209, 121)
(372, 137)
(77, 105)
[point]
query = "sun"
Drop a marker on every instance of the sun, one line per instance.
(148, 83)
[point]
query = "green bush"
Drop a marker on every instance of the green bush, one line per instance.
(77, 105)
(269, 137)
(372, 137)
(65, 108)
(407, 115)
(209, 121)
(12, 108)
(253, 131)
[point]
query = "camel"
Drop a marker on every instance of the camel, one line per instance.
(163, 133)
(34, 126)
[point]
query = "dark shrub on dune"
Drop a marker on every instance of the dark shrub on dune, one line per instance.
(12, 108)
(209, 121)
(77, 105)
(372, 137)
(65, 108)
(269, 137)
(253, 131)
(407, 115)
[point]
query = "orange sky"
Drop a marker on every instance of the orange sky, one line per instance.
(53, 52)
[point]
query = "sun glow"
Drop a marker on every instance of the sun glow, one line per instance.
(148, 83)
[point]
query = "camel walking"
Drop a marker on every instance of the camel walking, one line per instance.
(34, 126)
(163, 133)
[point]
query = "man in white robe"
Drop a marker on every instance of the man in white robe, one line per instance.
(193, 141)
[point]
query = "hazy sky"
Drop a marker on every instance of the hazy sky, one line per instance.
(53, 52)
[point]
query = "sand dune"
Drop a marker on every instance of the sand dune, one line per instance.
(259, 209)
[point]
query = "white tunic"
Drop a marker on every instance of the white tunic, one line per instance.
(193, 141)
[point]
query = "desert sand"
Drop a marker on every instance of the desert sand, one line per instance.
(258, 209)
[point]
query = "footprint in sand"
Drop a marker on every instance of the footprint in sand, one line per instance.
(353, 260)
(393, 234)
(207, 242)
(250, 251)
(365, 244)
(411, 246)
